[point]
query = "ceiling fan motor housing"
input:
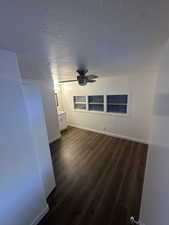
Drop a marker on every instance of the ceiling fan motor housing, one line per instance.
(82, 80)
(82, 72)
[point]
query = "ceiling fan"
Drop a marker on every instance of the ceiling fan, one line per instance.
(82, 78)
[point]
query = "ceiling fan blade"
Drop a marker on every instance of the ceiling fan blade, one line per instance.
(92, 76)
(91, 81)
(66, 81)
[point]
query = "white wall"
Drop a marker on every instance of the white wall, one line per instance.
(50, 108)
(155, 201)
(39, 135)
(22, 198)
(51, 115)
(136, 125)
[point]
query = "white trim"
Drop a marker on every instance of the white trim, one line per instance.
(109, 134)
(105, 104)
(40, 216)
(104, 112)
(87, 104)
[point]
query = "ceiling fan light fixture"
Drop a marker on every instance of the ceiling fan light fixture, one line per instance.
(82, 80)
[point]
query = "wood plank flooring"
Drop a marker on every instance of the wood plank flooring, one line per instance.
(99, 179)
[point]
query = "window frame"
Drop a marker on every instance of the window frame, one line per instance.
(104, 112)
(118, 103)
(95, 103)
(81, 103)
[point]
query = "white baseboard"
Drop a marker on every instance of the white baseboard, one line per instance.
(40, 216)
(109, 134)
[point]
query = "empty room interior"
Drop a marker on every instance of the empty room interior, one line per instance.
(84, 116)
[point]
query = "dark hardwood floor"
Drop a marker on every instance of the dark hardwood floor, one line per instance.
(99, 179)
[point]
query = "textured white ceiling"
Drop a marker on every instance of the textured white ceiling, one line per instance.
(51, 37)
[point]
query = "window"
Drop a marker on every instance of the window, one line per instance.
(79, 102)
(102, 103)
(96, 103)
(117, 103)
